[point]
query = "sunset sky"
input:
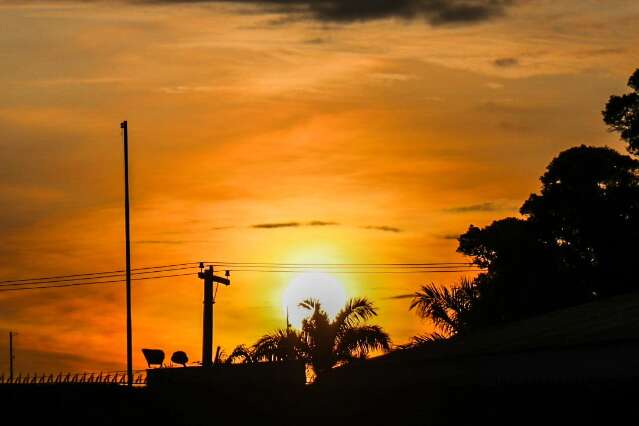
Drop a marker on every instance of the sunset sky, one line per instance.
(320, 131)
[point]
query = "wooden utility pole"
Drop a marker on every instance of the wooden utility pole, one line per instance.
(210, 280)
(129, 333)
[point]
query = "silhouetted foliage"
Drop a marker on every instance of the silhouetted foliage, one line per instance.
(576, 241)
(423, 339)
(521, 273)
(326, 343)
(241, 353)
(450, 310)
(622, 114)
(283, 345)
(588, 215)
(321, 342)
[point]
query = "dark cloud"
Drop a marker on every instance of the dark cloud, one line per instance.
(276, 225)
(483, 207)
(449, 236)
(506, 62)
(436, 12)
(315, 41)
(400, 297)
(383, 228)
(168, 242)
(293, 224)
(321, 223)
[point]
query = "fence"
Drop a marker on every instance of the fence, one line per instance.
(106, 378)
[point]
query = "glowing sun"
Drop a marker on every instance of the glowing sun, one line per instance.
(312, 285)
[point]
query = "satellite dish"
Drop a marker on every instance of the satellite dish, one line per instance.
(179, 357)
(153, 357)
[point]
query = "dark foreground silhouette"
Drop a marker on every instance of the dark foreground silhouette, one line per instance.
(575, 366)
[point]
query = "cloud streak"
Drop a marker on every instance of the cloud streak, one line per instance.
(483, 207)
(435, 12)
(506, 62)
(400, 296)
(383, 228)
(276, 225)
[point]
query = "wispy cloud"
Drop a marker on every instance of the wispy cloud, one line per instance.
(400, 297)
(167, 242)
(384, 228)
(435, 12)
(506, 62)
(449, 236)
(482, 207)
(321, 223)
(276, 225)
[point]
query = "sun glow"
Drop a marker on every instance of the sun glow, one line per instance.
(312, 285)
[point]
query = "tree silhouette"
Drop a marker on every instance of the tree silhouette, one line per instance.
(242, 354)
(587, 214)
(326, 343)
(450, 310)
(520, 271)
(322, 342)
(283, 345)
(622, 114)
(576, 241)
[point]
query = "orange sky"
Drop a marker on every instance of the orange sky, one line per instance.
(238, 119)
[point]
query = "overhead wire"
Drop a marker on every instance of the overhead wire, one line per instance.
(77, 278)
(99, 273)
(23, 288)
(86, 279)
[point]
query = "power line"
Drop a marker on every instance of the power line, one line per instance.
(74, 280)
(78, 278)
(338, 264)
(332, 268)
(362, 272)
(98, 273)
(188, 265)
(91, 283)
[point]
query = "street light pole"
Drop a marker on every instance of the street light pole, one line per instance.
(129, 333)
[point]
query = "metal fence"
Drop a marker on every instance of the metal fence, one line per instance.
(106, 378)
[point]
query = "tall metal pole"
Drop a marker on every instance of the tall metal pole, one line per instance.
(11, 356)
(129, 332)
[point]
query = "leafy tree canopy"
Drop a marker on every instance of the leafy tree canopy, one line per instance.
(622, 114)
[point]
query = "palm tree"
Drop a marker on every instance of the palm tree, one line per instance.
(450, 310)
(242, 353)
(327, 343)
(282, 345)
(323, 342)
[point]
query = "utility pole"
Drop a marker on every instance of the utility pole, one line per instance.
(210, 280)
(129, 333)
(11, 355)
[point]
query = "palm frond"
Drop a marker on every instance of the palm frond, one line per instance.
(311, 304)
(361, 340)
(434, 303)
(355, 311)
(242, 353)
(282, 345)
(450, 310)
(422, 339)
